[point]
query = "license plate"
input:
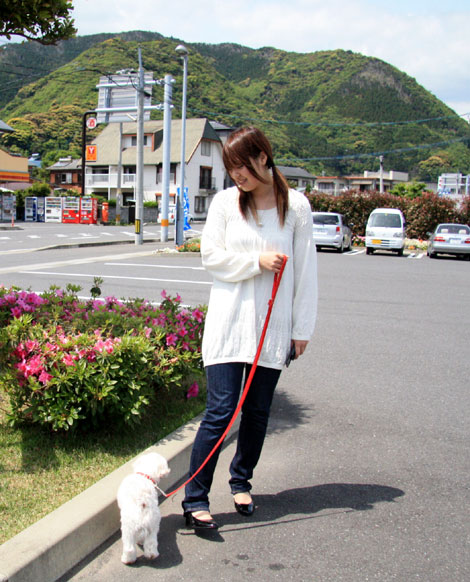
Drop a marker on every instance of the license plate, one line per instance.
(318, 230)
(454, 241)
(376, 241)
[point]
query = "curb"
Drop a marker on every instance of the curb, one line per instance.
(59, 541)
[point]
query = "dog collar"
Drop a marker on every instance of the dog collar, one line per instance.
(147, 477)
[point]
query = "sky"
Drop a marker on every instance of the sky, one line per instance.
(427, 39)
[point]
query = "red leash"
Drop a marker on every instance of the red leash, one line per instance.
(276, 283)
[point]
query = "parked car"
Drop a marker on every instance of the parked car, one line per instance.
(449, 239)
(385, 231)
(331, 230)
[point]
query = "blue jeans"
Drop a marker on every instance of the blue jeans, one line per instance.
(224, 382)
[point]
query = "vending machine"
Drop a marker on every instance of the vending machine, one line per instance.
(30, 209)
(53, 209)
(41, 209)
(71, 209)
(88, 210)
(8, 213)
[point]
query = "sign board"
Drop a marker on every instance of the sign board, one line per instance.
(91, 122)
(91, 153)
(120, 90)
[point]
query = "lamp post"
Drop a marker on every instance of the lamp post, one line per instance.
(179, 223)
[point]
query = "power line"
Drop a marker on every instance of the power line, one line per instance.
(376, 154)
(328, 124)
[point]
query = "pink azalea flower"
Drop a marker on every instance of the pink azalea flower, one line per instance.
(171, 339)
(16, 312)
(147, 331)
(193, 390)
(68, 360)
(198, 315)
(163, 294)
(44, 377)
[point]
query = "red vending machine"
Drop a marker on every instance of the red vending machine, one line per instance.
(71, 209)
(88, 210)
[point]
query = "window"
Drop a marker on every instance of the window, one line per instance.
(200, 204)
(134, 140)
(205, 178)
(205, 148)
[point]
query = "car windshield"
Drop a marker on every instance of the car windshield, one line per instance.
(325, 219)
(385, 219)
(453, 229)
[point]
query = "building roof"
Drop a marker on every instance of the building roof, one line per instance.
(107, 141)
(67, 164)
(4, 128)
(294, 172)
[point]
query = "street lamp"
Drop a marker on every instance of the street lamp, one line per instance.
(179, 223)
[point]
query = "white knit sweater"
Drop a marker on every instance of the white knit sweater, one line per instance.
(241, 290)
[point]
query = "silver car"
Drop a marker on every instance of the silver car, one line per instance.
(331, 230)
(450, 239)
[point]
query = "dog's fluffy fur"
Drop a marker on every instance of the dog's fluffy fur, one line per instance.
(137, 499)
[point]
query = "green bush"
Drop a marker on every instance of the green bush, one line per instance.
(422, 213)
(68, 363)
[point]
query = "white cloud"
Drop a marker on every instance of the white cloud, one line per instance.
(424, 39)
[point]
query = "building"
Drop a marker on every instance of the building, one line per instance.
(453, 186)
(14, 172)
(66, 174)
(13, 169)
(204, 174)
(368, 181)
(298, 177)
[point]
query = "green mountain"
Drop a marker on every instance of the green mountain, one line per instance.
(330, 111)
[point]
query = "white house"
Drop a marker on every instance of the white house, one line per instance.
(204, 175)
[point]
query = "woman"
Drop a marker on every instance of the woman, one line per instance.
(249, 230)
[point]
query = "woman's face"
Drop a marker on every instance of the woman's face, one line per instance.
(244, 179)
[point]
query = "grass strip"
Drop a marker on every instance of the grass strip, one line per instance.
(39, 471)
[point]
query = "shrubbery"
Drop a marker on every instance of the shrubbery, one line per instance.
(68, 363)
(422, 213)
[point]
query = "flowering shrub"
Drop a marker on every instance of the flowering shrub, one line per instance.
(67, 362)
(422, 213)
(191, 246)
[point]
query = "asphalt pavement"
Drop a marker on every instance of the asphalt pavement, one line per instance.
(364, 473)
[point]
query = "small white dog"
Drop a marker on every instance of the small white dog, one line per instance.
(137, 499)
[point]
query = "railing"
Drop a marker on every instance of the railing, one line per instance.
(207, 184)
(108, 180)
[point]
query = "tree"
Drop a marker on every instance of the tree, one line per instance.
(45, 21)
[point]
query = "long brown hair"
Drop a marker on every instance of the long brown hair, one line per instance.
(244, 145)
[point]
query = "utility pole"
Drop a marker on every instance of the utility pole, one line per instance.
(119, 179)
(381, 158)
(139, 193)
(166, 155)
(179, 223)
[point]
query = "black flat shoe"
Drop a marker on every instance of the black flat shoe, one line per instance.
(246, 509)
(196, 523)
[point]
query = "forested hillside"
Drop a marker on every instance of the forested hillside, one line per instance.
(330, 111)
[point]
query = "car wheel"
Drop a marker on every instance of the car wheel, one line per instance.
(369, 251)
(432, 255)
(400, 253)
(341, 248)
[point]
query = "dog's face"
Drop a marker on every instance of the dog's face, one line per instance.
(152, 464)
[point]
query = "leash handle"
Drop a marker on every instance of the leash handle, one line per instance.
(276, 284)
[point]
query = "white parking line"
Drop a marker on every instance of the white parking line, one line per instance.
(192, 282)
(153, 266)
(355, 252)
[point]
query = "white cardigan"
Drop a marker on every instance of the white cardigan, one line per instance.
(241, 290)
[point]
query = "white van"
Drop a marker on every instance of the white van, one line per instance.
(385, 231)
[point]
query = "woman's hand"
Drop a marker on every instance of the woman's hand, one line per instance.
(271, 261)
(300, 346)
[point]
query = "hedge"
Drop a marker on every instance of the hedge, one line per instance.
(422, 213)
